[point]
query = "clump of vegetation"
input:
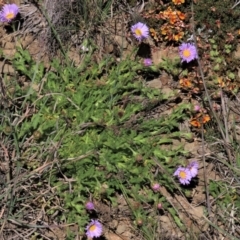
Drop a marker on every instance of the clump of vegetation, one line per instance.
(95, 116)
(219, 20)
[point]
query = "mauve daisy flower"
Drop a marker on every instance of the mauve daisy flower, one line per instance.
(188, 52)
(184, 175)
(147, 62)
(94, 229)
(9, 12)
(193, 168)
(140, 31)
(89, 206)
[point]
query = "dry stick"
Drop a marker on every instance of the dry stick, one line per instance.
(214, 114)
(202, 132)
(207, 94)
(224, 111)
(225, 116)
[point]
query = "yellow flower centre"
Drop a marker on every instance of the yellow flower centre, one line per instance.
(92, 228)
(10, 15)
(182, 174)
(186, 53)
(138, 32)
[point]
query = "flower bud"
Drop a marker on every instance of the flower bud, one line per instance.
(89, 206)
(159, 206)
(156, 187)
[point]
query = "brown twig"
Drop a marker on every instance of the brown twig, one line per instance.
(211, 107)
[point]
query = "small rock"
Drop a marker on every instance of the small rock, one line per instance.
(121, 228)
(9, 52)
(121, 41)
(9, 45)
(6, 68)
(113, 224)
(155, 83)
(236, 53)
(112, 236)
(168, 91)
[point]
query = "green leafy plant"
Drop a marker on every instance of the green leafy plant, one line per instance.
(94, 117)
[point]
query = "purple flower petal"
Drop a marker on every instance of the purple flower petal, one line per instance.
(147, 62)
(9, 12)
(94, 229)
(140, 31)
(89, 206)
(184, 175)
(188, 52)
(193, 168)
